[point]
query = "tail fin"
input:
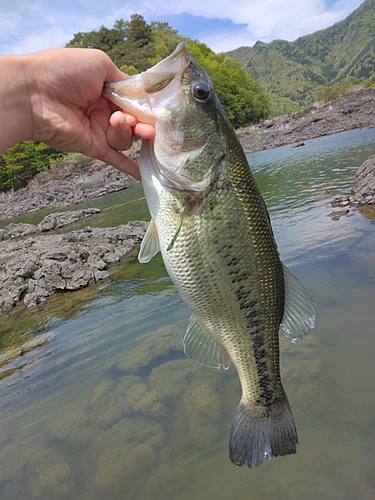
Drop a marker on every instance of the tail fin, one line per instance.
(260, 433)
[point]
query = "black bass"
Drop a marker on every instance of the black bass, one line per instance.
(211, 225)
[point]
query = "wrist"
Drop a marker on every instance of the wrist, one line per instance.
(15, 101)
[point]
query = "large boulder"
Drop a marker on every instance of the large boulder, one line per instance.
(364, 183)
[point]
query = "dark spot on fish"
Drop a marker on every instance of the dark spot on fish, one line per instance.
(244, 185)
(266, 395)
(253, 324)
(231, 262)
(251, 315)
(241, 294)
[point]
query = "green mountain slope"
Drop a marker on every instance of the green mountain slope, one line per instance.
(295, 73)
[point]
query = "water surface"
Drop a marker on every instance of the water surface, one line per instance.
(110, 409)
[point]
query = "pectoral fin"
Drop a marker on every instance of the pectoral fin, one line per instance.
(201, 347)
(299, 311)
(179, 224)
(150, 244)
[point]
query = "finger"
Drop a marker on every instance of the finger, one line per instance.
(144, 131)
(122, 162)
(141, 130)
(131, 119)
(119, 133)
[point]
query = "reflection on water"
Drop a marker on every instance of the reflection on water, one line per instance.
(110, 408)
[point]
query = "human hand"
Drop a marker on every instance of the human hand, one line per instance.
(69, 112)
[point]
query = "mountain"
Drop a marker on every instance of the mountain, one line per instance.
(295, 73)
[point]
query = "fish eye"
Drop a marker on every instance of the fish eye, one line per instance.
(201, 91)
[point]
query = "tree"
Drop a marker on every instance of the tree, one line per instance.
(138, 31)
(21, 162)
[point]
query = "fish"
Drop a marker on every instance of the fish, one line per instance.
(211, 225)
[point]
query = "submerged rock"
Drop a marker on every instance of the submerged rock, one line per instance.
(165, 341)
(127, 447)
(302, 370)
(197, 414)
(49, 474)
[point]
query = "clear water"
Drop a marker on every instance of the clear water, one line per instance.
(110, 409)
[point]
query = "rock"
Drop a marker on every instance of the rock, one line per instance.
(50, 222)
(363, 192)
(102, 409)
(141, 400)
(40, 266)
(11, 354)
(302, 369)
(69, 183)
(338, 213)
(17, 230)
(197, 414)
(350, 111)
(49, 474)
(127, 447)
(62, 219)
(364, 183)
(165, 341)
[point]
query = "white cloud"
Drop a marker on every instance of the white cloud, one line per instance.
(29, 26)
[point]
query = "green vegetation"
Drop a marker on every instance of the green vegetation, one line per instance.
(321, 65)
(348, 84)
(135, 46)
(21, 162)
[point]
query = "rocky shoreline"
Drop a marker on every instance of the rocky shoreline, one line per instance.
(67, 184)
(34, 268)
(350, 111)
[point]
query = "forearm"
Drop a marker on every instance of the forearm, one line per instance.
(15, 102)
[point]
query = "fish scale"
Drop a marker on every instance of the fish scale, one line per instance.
(212, 227)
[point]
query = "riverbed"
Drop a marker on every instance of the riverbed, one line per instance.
(107, 406)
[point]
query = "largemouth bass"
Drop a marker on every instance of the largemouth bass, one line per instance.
(212, 227)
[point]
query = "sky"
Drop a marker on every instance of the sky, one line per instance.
(32, 25)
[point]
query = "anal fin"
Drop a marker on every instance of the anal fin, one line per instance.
(299, 311)
(201, 347)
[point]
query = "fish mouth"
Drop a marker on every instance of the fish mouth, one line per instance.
(154, 88)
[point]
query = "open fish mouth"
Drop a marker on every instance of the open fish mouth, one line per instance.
(154, 88)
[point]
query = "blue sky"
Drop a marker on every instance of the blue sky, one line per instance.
(32, 25)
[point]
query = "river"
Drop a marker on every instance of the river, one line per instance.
(111, 409)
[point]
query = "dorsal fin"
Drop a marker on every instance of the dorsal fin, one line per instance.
(201, 347)
(299, 311)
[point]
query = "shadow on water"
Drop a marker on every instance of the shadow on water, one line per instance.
(108, 407)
